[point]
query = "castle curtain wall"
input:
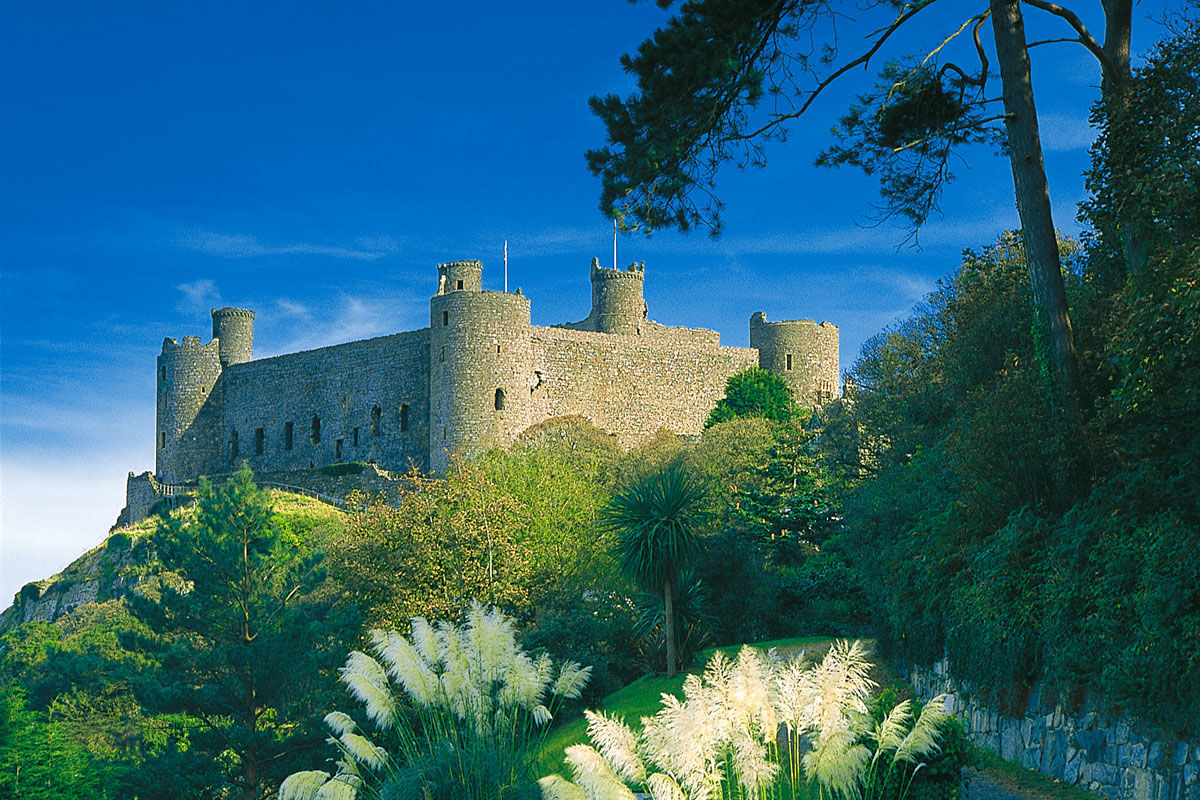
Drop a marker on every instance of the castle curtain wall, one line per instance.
(633, 386)
(341, 387)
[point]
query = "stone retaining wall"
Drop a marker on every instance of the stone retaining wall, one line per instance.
(1114, 756)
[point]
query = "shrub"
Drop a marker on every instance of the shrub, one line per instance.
(724, 738)
(478, 708)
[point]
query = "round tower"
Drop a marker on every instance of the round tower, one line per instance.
(617, 302)
(480, 370)
(234, 327)
(801, 352)
(460, 276)
(188, 409)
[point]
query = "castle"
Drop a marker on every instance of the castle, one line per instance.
(476, 378)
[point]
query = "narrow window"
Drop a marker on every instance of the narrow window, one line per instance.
(497, 349)
(162, 372)
(356, 437)
(337, 449)
(460, 286)
(162, 440)
(287, 436)
(499, 399)
(315, 436)
(443, 352)
(789, 362)
(260, 441)
(443, 434)
(404, 417)
(376, 413)
(445, 318)
(233, 446)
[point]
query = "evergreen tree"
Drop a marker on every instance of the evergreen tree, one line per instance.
(702, 76)
(247, 638)
(753, 392)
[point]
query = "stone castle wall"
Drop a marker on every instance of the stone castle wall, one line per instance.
(478, 377)
(802, 352)
(357, 394)
(480, 372)
(631, 386)
(190, 411)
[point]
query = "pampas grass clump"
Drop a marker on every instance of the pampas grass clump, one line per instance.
(756, 727)
(477, 710)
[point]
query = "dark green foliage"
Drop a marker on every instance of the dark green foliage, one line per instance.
(906, 131)
(245, 647)
(939, 777)
(1145, 177)
(668, 140)
(1019, 555)
(753, 392)
(596, 629)
(657, 520)
(774, 510)
(693, 624)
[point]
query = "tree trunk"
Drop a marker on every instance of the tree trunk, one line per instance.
(669, 626)
(1033, 203)
(1118, 28)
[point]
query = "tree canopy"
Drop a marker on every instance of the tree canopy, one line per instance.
(702, 78)
(753, 392)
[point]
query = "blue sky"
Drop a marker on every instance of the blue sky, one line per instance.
(314, 161)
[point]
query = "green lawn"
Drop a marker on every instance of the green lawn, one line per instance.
(643, 697)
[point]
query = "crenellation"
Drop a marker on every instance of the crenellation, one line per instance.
(478, 377)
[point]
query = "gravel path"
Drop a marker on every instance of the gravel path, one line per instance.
(983, 787)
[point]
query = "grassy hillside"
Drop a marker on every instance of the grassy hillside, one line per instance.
(122, 562)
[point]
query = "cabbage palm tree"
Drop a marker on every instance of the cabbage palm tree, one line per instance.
(656, 519)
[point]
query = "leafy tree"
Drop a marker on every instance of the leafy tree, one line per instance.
(657, 520)
(516, 529)
(42, 760)
(754, 392)
(245, 645)
(701, 78)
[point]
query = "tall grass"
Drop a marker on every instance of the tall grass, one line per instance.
(756, 727)
(462, 711)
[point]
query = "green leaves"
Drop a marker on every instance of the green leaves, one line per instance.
(754, 392)
(657, 520)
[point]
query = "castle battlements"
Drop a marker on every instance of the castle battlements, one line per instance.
(476, 378)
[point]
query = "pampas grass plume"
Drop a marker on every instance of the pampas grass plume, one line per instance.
(302, 785)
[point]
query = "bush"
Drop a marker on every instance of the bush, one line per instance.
(478, 708)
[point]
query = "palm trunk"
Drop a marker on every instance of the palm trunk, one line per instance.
(1033, 203)
(669, 625)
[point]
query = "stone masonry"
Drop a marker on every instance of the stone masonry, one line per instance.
(1113, 756)
(476, 378)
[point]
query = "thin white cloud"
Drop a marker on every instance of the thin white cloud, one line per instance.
(199, 295)
(349, 319)
(1062, 132)
(240, 245)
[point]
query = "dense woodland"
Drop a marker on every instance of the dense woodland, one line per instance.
(949, 504)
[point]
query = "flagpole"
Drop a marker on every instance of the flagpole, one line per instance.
(614, 243)
(506, 266)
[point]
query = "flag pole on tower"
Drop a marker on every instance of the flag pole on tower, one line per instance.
(506, 266)
(614, 242)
